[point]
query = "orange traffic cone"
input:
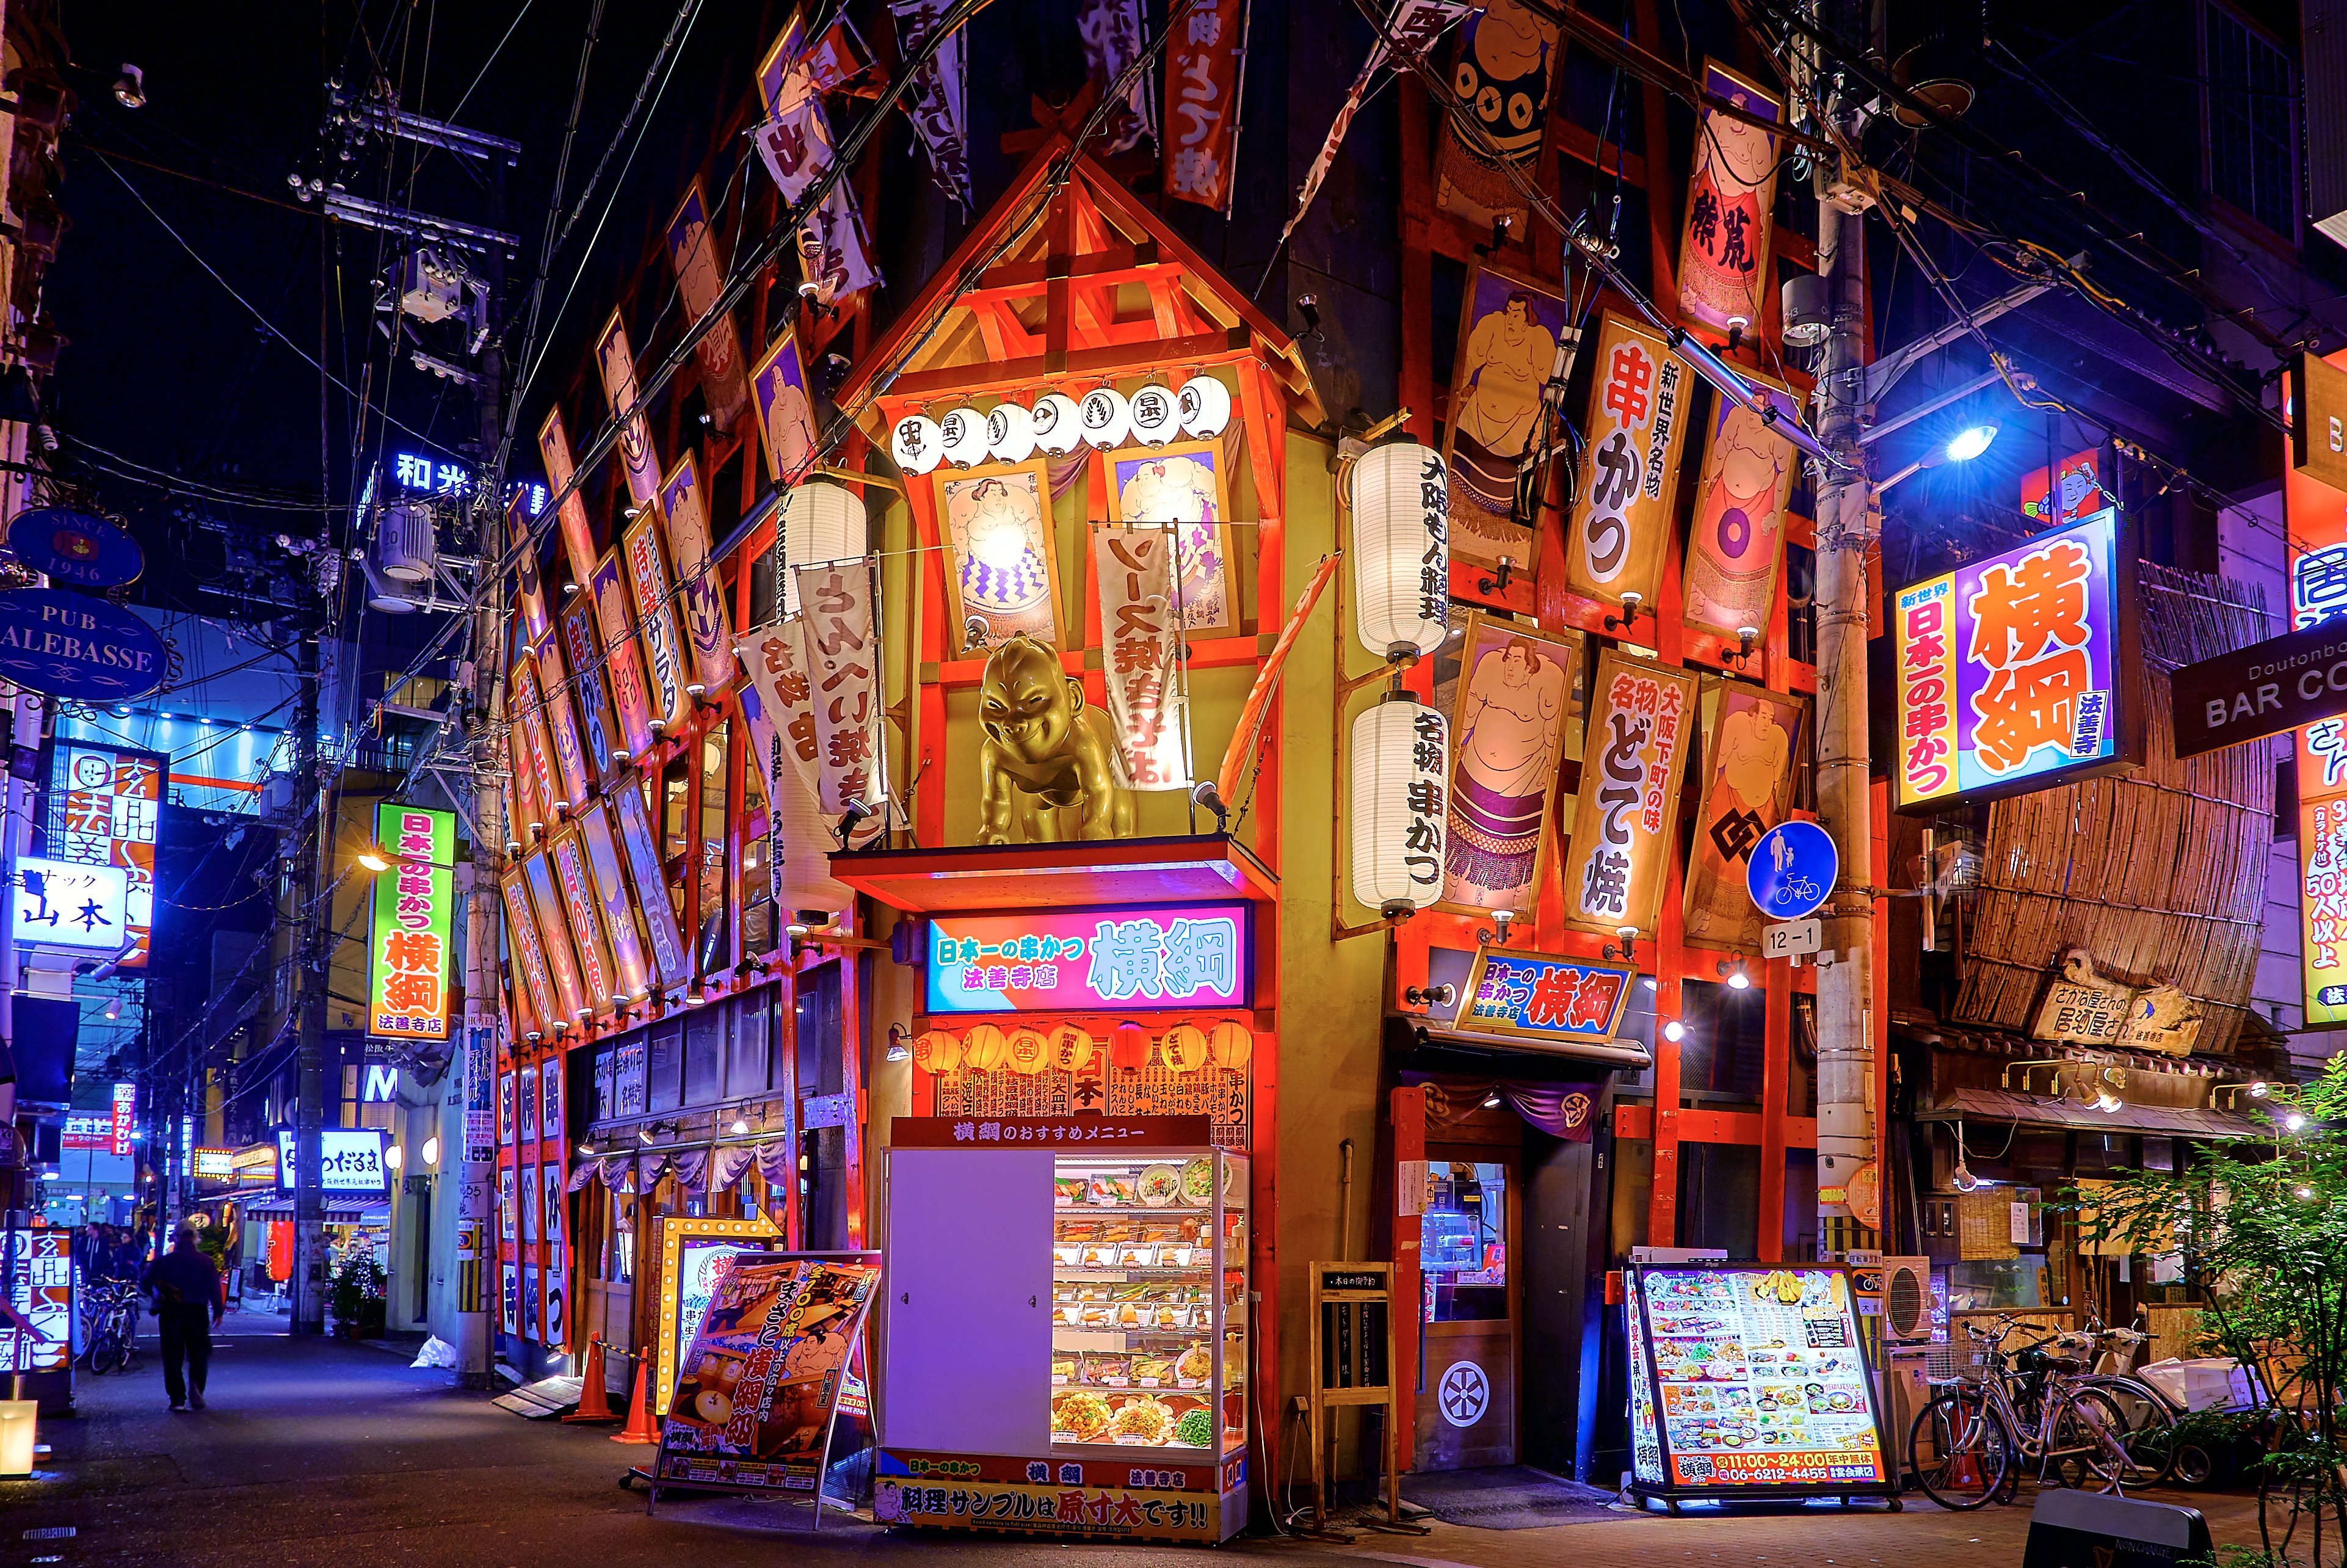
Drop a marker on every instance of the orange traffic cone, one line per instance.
(640, 1427)
(594, 1404)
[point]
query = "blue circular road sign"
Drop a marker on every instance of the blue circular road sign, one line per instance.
(1792, 870)
(74, 549)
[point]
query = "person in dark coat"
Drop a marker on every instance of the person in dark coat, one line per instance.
(187, 1306)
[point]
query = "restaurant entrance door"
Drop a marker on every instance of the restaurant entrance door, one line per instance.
(1470, 1308)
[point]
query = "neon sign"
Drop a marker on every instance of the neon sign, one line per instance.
(1079, 960)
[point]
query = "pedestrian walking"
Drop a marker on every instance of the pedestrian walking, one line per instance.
(187, 1306)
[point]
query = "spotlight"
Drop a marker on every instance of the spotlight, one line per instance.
(1962, 1178)
(1969, 443)
(740, 1126)
(113, 1006)
(1737, 982)
(131, 88)
(644, 1135)
(2294, 1122)
(374, 859)
(1675, 1031)
(432, 1150)
(1308, 307)
(1492, 1100)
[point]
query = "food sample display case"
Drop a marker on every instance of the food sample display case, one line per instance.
(1067, 1330)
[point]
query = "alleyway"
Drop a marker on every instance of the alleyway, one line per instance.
(329, 1452)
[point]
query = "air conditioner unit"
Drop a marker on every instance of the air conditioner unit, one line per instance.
(403, 548)
(1906, 1390)
(1906, 1300)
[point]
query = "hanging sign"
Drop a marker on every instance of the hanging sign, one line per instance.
(408, 954)
(574, 773)
(1513, 723)
(530, 585)
(623, 669)
(1507, 54)
(1627, 816)
(699, 259)
(2075, 494)
(1748, 784)
(670, 960)
(707, 627)
(1111, 34)
(1205, 66)
(1792, 869)
(554, 940)
(786, 415)
(2016, 671)
(1540, 996)
(528, 950)
(665, 656)
(1736, 541)
(1514, 336)
(843, 654)
(795, 143)
(1723, 246)
(579, 908)
(599, 727)
(1148, 688)
(105, 807)
(617, 897)
(935, 105)
(1623, 506)
(2322, 907)
(2081, 1006)
(70, 904)
(637, 460)
(70, 646)
(74, 548)
(539, 791)
(2298, 678)
(1080, 960)
(578, 535)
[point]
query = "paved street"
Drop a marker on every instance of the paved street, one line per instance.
(329, 1452)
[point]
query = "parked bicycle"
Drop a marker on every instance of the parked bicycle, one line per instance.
(109, 1327)
(2035, 1406)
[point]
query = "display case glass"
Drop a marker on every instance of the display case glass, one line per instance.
(1149, 1302)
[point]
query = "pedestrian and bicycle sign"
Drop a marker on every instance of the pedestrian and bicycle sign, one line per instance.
(1792, 870)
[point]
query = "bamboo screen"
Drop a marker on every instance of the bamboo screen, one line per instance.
(2159, 874)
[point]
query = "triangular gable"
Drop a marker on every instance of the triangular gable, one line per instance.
(1122, 280)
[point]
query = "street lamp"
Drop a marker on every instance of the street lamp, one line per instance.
(1961, 447)
(374, 859)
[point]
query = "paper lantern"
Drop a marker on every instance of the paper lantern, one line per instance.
(1183, 1048)
(937, 1051)
(1128, 1046)
(963, 435)
(1231, 1044)
(917, 444)
(984, 1048)
(1104, 417)
(1206, 405)
(1009, 433)
(1058, 426)
(1400, 546)
(1155, 414)
(821, 521)
(1026, 1051)
(1401, 762)
(1073, 1050)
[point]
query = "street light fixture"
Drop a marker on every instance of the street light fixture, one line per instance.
(374, 859)
(1961, 447)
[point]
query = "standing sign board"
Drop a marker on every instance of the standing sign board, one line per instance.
(1352, 1352)
(1751, 1380)
(695, 1257)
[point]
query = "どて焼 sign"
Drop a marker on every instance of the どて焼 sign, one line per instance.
(2298, 678)
(407, 956)
(2017, 672)
(82, 648)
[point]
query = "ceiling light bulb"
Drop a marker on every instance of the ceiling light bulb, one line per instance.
(1675, 1031)
(1492, 1100)
(1739, 980)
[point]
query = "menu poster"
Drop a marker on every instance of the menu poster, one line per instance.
(1760, 1379)
(754, 1398)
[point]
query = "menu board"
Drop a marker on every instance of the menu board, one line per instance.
(39, 1269)
(1757, 1379)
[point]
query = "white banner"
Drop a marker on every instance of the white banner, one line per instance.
(1415, 26)
(1110, 30)
(798, 146)
(1140, 628)
(934, 105)
(841, 646)
(779, 703)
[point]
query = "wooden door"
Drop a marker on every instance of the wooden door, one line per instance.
(1471, 1309)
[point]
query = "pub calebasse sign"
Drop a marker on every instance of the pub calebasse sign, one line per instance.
(68, 645)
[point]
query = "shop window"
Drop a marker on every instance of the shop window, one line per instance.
(1719, 1191)
(664, 1087)
(745, 1061)
(1723, 1054)
(764, 605)
(2252, 143)
(757, 883)
(704, 1043)
(1464, 1244)
(713, 944)
(604, 1106)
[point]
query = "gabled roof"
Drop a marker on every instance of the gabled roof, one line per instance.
(1070, 277)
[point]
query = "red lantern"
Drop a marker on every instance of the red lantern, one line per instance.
(1026, 1051)
(937, 1051)
(1182, 1049)
(984, 1048)
(1128, 1047)
(1073, 1050)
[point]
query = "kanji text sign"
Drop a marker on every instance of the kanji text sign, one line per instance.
(2012, 675)
(350, 1159)
(1081, 960)
(1545, 997)
(415, 903)
(66, 904)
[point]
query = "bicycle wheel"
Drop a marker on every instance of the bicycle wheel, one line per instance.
(2149, 1427)
(2089, 1449)
(1958, 1450)
(109, 1353)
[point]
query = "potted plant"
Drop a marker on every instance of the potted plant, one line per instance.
(358, 1299)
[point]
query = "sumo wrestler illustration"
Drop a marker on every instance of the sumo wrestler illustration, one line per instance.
(1046, 770)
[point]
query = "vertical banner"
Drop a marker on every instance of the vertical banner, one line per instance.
(779, 703)
(1507, 54)
(1724, 247)
(578, 908)
(415, 903)
(1147, 695)
(537, 980)
(1112, 40)
(670, 960)
(623, 667)
(795, 142)
(530, 585)
(1737, 542)
(106, 805)
(1747, 773)
(707, 627)
(578, 535)
(527, 804)
(1512, 333)
(694, 252)
(617, 363)
(554, 940)
(785, 412)
(1413, 28)
(618, 898)
(772, 656)
(572, 771)
(1206, 77)
(1627, 816)
(525, 711)
(664, 650)
(842, 667)
(935, 105)
(1511, 727)
(1624, 508)
(598, 726)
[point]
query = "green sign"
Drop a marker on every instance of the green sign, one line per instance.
(415, 907)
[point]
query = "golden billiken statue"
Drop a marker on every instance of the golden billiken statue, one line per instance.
(1046, 770)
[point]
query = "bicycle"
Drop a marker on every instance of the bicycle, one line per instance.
(110, 1327)
(1963, 1445)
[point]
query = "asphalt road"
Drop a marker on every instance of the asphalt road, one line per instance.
(327, 1453)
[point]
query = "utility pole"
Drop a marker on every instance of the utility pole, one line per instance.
(311, 961)
(1845, 531)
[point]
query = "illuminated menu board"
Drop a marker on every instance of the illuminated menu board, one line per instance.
(105, 805)
(1751, 1380)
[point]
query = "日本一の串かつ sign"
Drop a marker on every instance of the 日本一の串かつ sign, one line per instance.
(414, 902)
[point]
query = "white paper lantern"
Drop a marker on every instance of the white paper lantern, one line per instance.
(917, 444)
(1009, 433)
(821, 522)
(1058, 426)
(1104, 417)
(1400, 548)
(962, 432)
(1155, 413)
(1206, 405)
(1401, 769)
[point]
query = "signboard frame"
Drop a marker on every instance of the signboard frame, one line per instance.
(1565, 1035)
(677, 1231)
(64, 835)
(393, 887)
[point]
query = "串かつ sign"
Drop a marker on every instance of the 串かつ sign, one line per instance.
(415, 903)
